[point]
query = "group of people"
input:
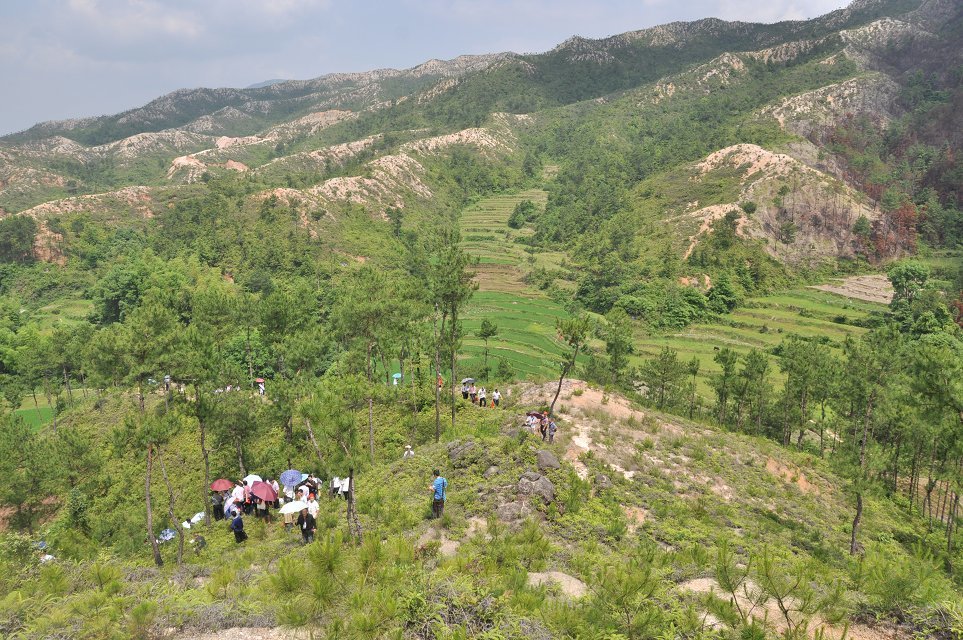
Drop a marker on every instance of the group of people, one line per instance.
(541, 424)
(240, 500)
(478, 396)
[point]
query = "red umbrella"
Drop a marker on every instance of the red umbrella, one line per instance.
(259, 380)
(264, 491)
(221, 485)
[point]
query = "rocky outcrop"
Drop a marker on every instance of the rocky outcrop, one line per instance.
(534, 484)
(545, 460)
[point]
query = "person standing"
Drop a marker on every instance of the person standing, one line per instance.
(543, 425)
(481, 397)
(473, 393)
(409, 452)
(496, 397)
(277, 492)
(552, 428)
(307, 524)
(439, 492)
(464, 390)
(237, 526)
(217, 505)
(313, 506)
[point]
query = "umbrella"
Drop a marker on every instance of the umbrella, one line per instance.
(467, 380)
(264, 491)
(304, 477)
(293, 507)
(259, 380)
(228, 505)
(166, 534)
(534, 414)
(396, 376)
(252, 477)
(290, 478)
(221, 485)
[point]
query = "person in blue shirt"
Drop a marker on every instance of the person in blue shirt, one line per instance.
(439, 492)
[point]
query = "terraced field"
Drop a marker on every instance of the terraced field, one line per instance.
(487, 236)
(525, 317)
(763, 323)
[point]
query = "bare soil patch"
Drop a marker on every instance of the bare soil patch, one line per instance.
(876, 288)
(569, 585)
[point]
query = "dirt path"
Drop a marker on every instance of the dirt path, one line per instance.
(876, 288)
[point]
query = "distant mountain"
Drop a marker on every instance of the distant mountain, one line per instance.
(628, 120)
(265, 83)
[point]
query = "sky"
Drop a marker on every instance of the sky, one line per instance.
(74, 58)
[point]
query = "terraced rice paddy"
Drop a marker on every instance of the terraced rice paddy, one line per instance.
(525, 316)
(762, 323)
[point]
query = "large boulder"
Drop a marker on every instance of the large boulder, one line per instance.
(491, 472)
(463, 453)
(602, 481)
(513, 511)
(546, 460)
(534, 484)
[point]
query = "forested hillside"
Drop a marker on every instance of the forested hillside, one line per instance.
(722, 261)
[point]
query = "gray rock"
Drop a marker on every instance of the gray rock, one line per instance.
(541, 487)
(513, 511)
(490, 472)
(602, 481)
(462, 453)
(546, 460)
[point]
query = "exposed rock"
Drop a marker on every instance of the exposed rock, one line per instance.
(533, 484)
(462, 453)
(602, 481)
(546, 460)
(490, 472)
(513, 511)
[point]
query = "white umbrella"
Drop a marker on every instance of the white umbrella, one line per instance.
(252, 478)
(293, 507)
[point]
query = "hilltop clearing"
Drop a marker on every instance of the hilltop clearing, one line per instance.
(621, 484)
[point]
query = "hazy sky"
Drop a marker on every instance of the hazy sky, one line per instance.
(71, 58)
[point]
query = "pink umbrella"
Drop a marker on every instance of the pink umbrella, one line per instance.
(264, 491)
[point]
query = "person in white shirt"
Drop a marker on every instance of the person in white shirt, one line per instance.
(481, 397)
(313, 506)
(409, 452)
(496, 397)
(335, 486)
(345, 487)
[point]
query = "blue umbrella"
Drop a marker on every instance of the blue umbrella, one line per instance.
(166, 534)
(290, 478)
(396, 376)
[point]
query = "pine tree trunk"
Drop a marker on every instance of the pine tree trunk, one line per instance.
(454, 357)
(437, 372)
(170, 509)
(158, 560)
(370, 409)
(204, 455)
(70, 392)
(240, 455)
(314, 442)
(950, 525)
(859, 515)
(354, 523)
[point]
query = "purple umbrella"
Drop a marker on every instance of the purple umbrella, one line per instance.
(290, 478)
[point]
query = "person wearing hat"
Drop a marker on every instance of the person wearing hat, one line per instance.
(313, 506)
(409, 452)
(307, 524)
